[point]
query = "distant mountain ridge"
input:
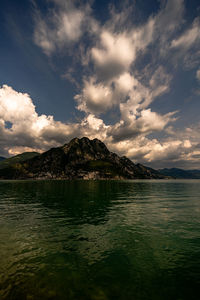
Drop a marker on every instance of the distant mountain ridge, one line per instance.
(180, 173)
(79, 159)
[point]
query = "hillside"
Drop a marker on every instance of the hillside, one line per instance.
(17, 159)
(79, 159)
(180, 173)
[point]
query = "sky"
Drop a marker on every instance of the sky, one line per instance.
(125, 72)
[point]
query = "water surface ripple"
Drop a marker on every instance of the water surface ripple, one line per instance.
(100, 240)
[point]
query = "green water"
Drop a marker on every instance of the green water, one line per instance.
(100, 240)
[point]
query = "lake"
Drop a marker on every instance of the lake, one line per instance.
(98, 240)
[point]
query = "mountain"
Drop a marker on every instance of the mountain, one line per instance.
(79, 159)
(7, 162)
(180, 173)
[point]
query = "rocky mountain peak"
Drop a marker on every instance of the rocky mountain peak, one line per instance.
(81, 158)
(85, 149)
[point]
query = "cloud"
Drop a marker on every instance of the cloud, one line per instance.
(28, 129)
(41, 131)
(143, 123)
(167, 21)
(114, 81)
(125, 92)
(170, 15)
(159, 83)
(181, 153)
(62, 26)
(115, 52)
(188, 38)
(95, 97)
(185, 47)
(109, 58)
